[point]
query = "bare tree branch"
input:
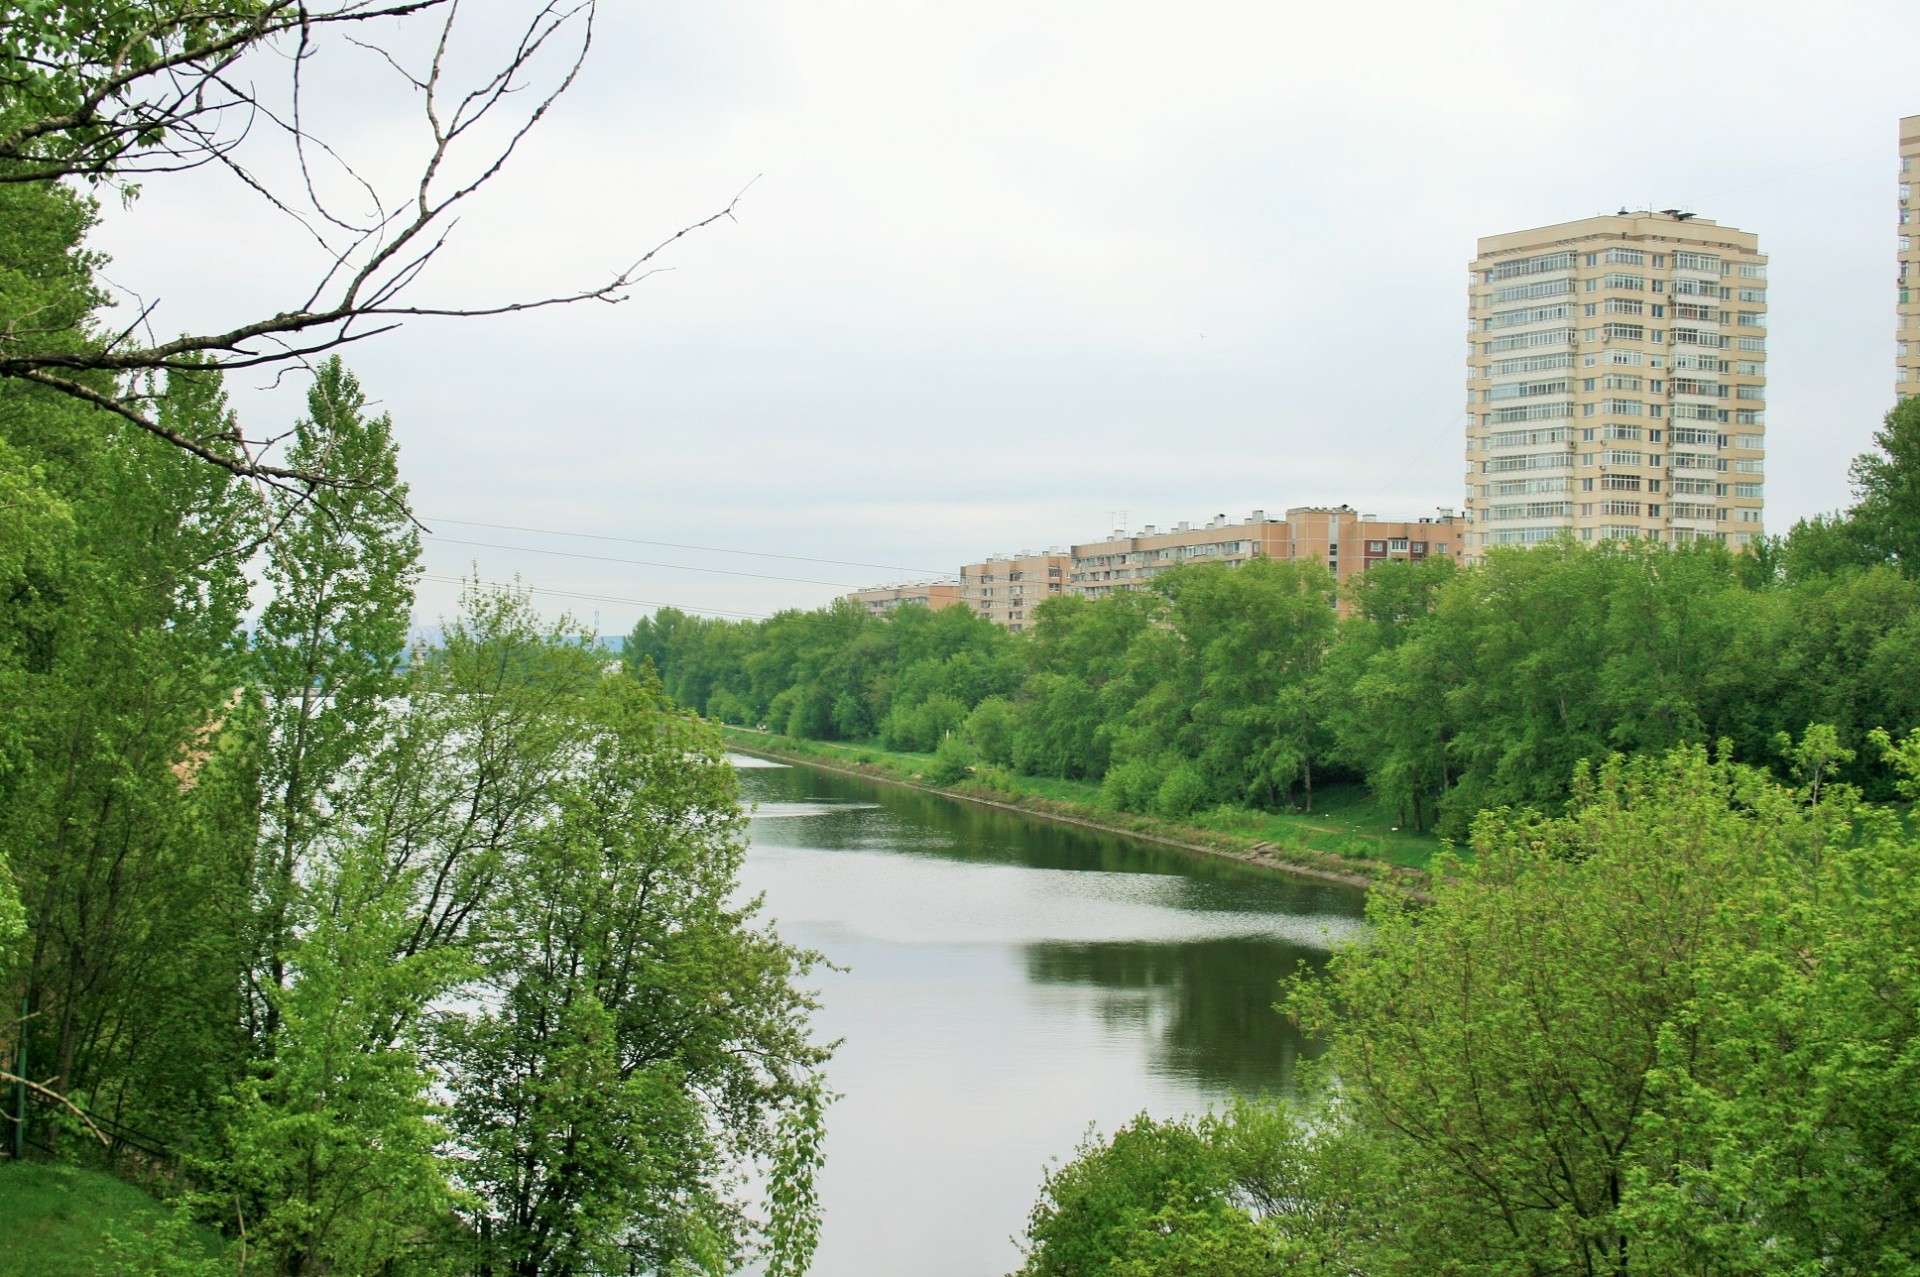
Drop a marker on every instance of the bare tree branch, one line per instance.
(169, 89)
(48, 1093)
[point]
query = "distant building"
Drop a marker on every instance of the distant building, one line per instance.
(1906, 375)
(1122, 562)
(1007, 587)
(932, 595)
(1346, 541)
(1350, 543)
(1616, 382)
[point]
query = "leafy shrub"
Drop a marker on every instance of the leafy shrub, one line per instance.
(952, 761)
(1182, 793)
(1133, 785)
(991, 728)
(728, 708)
(919, 728)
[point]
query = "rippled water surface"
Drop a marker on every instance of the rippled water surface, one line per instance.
(1009, 981)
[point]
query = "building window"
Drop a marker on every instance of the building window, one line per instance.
(1538, 288)
(1539, 265)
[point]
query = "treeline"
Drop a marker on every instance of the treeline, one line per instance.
(1447, 689)
(1672, 1030)
(377, 965)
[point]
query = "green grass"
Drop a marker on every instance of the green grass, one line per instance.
(56, 1221)
(1346, 822)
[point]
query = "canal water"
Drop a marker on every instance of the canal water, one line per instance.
(1006, 983)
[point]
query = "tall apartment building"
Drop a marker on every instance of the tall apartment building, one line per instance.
(932, 595)
(1906, 373)
(1617, 382)
(1347, 542)
(1007, 587)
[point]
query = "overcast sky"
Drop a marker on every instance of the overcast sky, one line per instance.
(1005, 270)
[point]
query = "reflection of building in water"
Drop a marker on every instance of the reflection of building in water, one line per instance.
(1209, 1003)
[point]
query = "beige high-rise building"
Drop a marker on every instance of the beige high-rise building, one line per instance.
(1616, 382)
(1906, 373)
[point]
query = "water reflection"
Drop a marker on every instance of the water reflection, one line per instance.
(928, 824)
(1206, 1005)
(1006, 982)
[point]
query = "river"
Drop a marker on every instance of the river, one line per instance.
(1006, 982)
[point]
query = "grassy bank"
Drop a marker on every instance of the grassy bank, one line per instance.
(1346, 837)
(69, 1221)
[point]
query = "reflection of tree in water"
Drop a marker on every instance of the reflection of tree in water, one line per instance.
(909, 821)
(1211, 999)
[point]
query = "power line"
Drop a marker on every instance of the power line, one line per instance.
(641, 563)
(676, 545)
(593, 598)
(1781, 177)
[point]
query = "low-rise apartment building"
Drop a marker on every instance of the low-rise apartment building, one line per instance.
(932, 595)
(1005, 588)
(1122, 562)
(1349, 542)
(1338, 536)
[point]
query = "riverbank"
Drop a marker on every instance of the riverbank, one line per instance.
(1354, 855)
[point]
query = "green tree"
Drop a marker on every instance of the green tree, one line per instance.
(340, 570)
(991, 727)
(329, 1150)
(1886, 483)
(1259, 1190)
(953, 760)
(1664, 1032)
(641, 1041)
(1123, 1203)
(130, 795)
